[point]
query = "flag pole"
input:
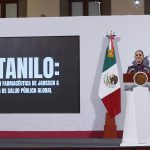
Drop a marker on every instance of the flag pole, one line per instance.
(110, 128)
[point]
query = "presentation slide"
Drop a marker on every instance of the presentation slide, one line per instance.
(40, 74)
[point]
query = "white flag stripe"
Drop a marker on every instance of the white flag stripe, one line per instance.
(110, 46)
(105, 90)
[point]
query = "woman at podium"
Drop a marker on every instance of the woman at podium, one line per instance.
(137, 88)
(138, 65)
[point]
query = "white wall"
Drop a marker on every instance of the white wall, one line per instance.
(36, 8)
(92, 31)
(126, 7)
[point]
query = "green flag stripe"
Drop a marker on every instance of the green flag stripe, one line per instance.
(108, 62)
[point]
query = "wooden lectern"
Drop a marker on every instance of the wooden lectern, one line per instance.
(129, 77)
(137, 121)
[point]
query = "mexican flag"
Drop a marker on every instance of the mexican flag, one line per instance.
(109, 91)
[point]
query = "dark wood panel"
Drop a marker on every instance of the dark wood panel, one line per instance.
(22, 8)
(106, 7)
(147, 7)
(129, 77)
(64, 7)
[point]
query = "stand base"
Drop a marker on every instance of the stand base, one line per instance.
(135, 144)
(137, 120)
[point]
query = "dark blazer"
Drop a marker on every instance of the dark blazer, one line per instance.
(138, 68)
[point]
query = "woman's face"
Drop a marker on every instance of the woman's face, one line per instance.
(139, 57)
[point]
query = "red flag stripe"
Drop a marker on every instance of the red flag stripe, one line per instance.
(54, 134)
(112, 103)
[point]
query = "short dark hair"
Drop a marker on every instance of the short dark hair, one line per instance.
(140, 51)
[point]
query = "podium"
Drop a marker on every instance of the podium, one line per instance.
(137, 118)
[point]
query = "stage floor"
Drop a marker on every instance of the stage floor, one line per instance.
(60, 143)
